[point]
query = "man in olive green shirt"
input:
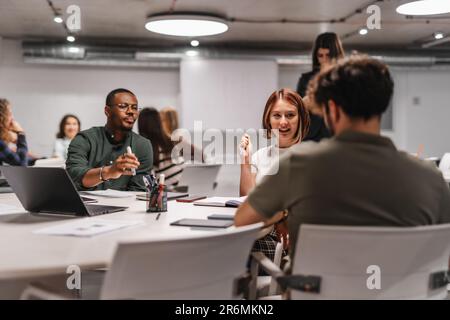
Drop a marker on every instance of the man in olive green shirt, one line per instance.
(98, 159)
(356, 178)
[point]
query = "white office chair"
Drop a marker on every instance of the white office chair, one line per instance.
(205, 267)
(444, 164)
(50, 163)
(335, 262)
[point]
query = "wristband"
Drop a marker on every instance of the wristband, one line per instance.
(101, 176)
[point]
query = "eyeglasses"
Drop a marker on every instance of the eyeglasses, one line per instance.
(321, 55)
(124, 107)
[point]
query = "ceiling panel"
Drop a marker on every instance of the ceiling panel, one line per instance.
(124, 19)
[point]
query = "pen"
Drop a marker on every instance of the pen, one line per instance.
(157, 217)
(130, 152)
(146, 182)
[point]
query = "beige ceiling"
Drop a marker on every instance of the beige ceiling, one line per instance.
(116, 20)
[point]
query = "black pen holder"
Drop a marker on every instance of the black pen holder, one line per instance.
(157, 199)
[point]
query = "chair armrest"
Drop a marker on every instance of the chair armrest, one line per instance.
(36, 292)
(259, 259)
(241, 284)
(267, 264)
(309, 283)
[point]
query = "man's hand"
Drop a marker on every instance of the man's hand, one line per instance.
(121, 166)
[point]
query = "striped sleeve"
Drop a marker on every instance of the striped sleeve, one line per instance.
(18, 158)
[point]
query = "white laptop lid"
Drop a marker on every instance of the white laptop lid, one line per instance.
(200, 178)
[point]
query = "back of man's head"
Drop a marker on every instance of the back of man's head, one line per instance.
(112, 94)
(360, 85)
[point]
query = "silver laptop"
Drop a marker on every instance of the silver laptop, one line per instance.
(200, 179)
(50, 190)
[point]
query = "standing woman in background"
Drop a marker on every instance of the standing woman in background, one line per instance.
(327, 50)
(68, 128)
(150, 127)
(11, 132)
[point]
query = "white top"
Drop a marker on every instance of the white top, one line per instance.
(265, 161)
(61, 147)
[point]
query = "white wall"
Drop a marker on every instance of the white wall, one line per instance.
(226, 94)
(222, 93)
(426, 110)
(426, 123)
(288, 76)
(42, 94)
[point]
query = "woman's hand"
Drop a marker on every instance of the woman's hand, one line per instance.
(12, 137)
(245, 148)
(281, 228)
(16, 127)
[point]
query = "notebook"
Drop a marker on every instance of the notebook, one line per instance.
(221, 202)
(221, 217)
(203, 223)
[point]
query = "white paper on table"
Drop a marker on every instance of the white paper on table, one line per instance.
(87, 227)
(109, 193)
(7, 209)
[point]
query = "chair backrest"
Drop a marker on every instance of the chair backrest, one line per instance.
(189, 268)
(444, 164)
(372, 262)
(50, 163)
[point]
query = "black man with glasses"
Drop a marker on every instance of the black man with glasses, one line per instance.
(98, 158)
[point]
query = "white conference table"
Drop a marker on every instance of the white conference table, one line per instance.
(26, 255)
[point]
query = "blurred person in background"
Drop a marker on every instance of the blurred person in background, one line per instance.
(150, 127)
(170, 123)
(68, 128)
(11, 133)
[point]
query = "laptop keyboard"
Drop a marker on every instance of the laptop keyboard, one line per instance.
(96, 210)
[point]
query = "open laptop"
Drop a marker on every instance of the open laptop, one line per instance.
(4, 186)
(200, 178)
(50, 190)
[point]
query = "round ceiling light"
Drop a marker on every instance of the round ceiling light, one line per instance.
(58, 19)
(186, 25)
(424, 7)
(192, 53)
(438, 35)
